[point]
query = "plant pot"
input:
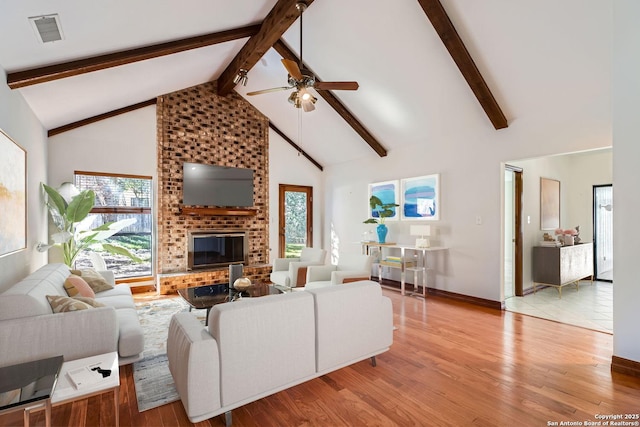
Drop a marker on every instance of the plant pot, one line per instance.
(381, 229)
(568, 240)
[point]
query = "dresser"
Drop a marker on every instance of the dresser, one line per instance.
(561, 266)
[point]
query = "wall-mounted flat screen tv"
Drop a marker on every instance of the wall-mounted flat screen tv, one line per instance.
(212, 185)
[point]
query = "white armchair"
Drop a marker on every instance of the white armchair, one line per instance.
(350, 268)
(291, 272)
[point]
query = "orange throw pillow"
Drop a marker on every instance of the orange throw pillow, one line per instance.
(77, 286)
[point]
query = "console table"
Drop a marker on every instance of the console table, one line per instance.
(561, 266)
(411, 259)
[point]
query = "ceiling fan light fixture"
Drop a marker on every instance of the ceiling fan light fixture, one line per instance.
(294, 99)
(241, 77)
(308, 106)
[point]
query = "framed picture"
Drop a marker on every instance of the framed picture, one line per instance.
(421, 198)
(13, 196)
(387, 192)
(549, 204)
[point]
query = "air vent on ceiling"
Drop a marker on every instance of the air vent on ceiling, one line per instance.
(47, 28)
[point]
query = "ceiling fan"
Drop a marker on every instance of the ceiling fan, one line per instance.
(302, 80)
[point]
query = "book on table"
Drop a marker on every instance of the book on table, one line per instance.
(89, 375)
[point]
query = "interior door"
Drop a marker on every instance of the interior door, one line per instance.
(295, 219)
(603, 232)
(513, 189)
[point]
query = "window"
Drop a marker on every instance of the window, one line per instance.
(121, 197)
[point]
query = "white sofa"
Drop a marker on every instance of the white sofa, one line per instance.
(258, 346)
(291, 272)
(29, 329)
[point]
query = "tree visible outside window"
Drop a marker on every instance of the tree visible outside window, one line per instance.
(120, 197)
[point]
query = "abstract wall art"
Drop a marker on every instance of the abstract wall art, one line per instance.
(13, 196)
(421, 198)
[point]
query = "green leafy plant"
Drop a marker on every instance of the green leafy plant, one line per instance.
(71, 217)
(384, 210)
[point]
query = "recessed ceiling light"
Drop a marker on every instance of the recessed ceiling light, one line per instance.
(47, 28)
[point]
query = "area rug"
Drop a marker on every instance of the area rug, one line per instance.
(153, 382)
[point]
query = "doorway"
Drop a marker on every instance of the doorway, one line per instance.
(295, 216)
(603, 232)
(512, 232)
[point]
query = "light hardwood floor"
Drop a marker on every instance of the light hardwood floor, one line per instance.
(451, 364)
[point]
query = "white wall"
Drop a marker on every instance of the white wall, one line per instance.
(468, 159)
(577, 173)
(626, 176)
(19, 122)
(287, 167)
(123, 144)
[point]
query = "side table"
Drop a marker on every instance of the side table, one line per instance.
(66, 392)
(29, 386)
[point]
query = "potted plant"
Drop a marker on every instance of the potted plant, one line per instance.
(70, 214)
(383, 210)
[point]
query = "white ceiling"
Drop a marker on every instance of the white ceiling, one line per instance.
(532, 54)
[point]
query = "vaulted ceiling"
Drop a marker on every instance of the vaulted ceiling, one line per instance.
(420, 64)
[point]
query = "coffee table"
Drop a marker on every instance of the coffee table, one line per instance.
(205, 297)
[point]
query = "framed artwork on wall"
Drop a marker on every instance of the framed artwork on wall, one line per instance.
(549, 204)
(387, 192)
(421, 198)
(13, 196)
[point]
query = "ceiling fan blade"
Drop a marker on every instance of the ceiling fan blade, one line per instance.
(336, 85)
(292, 68)
(275, 89)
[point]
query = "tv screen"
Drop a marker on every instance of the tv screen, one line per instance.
(211, 185)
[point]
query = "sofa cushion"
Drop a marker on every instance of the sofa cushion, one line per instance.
(60, 304)
(90, 301)
(131, 340)
(118, 297)
(17, 306)
(32, 291)
(94, 279)
(258, 336)
(352, 321)
(76, 286)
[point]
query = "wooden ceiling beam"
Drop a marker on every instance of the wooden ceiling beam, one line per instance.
(279, 19)
(89, 120)
(73, 68)
(294, 145)
(335, 103)
(458, 51)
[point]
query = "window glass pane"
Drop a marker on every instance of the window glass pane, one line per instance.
(113, 193)
(295, 205)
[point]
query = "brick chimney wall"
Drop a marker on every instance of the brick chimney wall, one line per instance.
(196, 125)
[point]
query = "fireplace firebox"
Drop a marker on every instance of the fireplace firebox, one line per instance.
(217, 248)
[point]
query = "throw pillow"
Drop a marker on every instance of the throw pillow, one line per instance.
(91, 301)
(60, 304)
(95, 280)
(76, 286)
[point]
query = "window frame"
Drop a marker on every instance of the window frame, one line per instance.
(128, 210)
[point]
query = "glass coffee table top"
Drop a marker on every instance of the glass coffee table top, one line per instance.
(207, 296)
(28, 382)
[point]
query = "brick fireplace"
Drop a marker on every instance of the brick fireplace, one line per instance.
(196, 125)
